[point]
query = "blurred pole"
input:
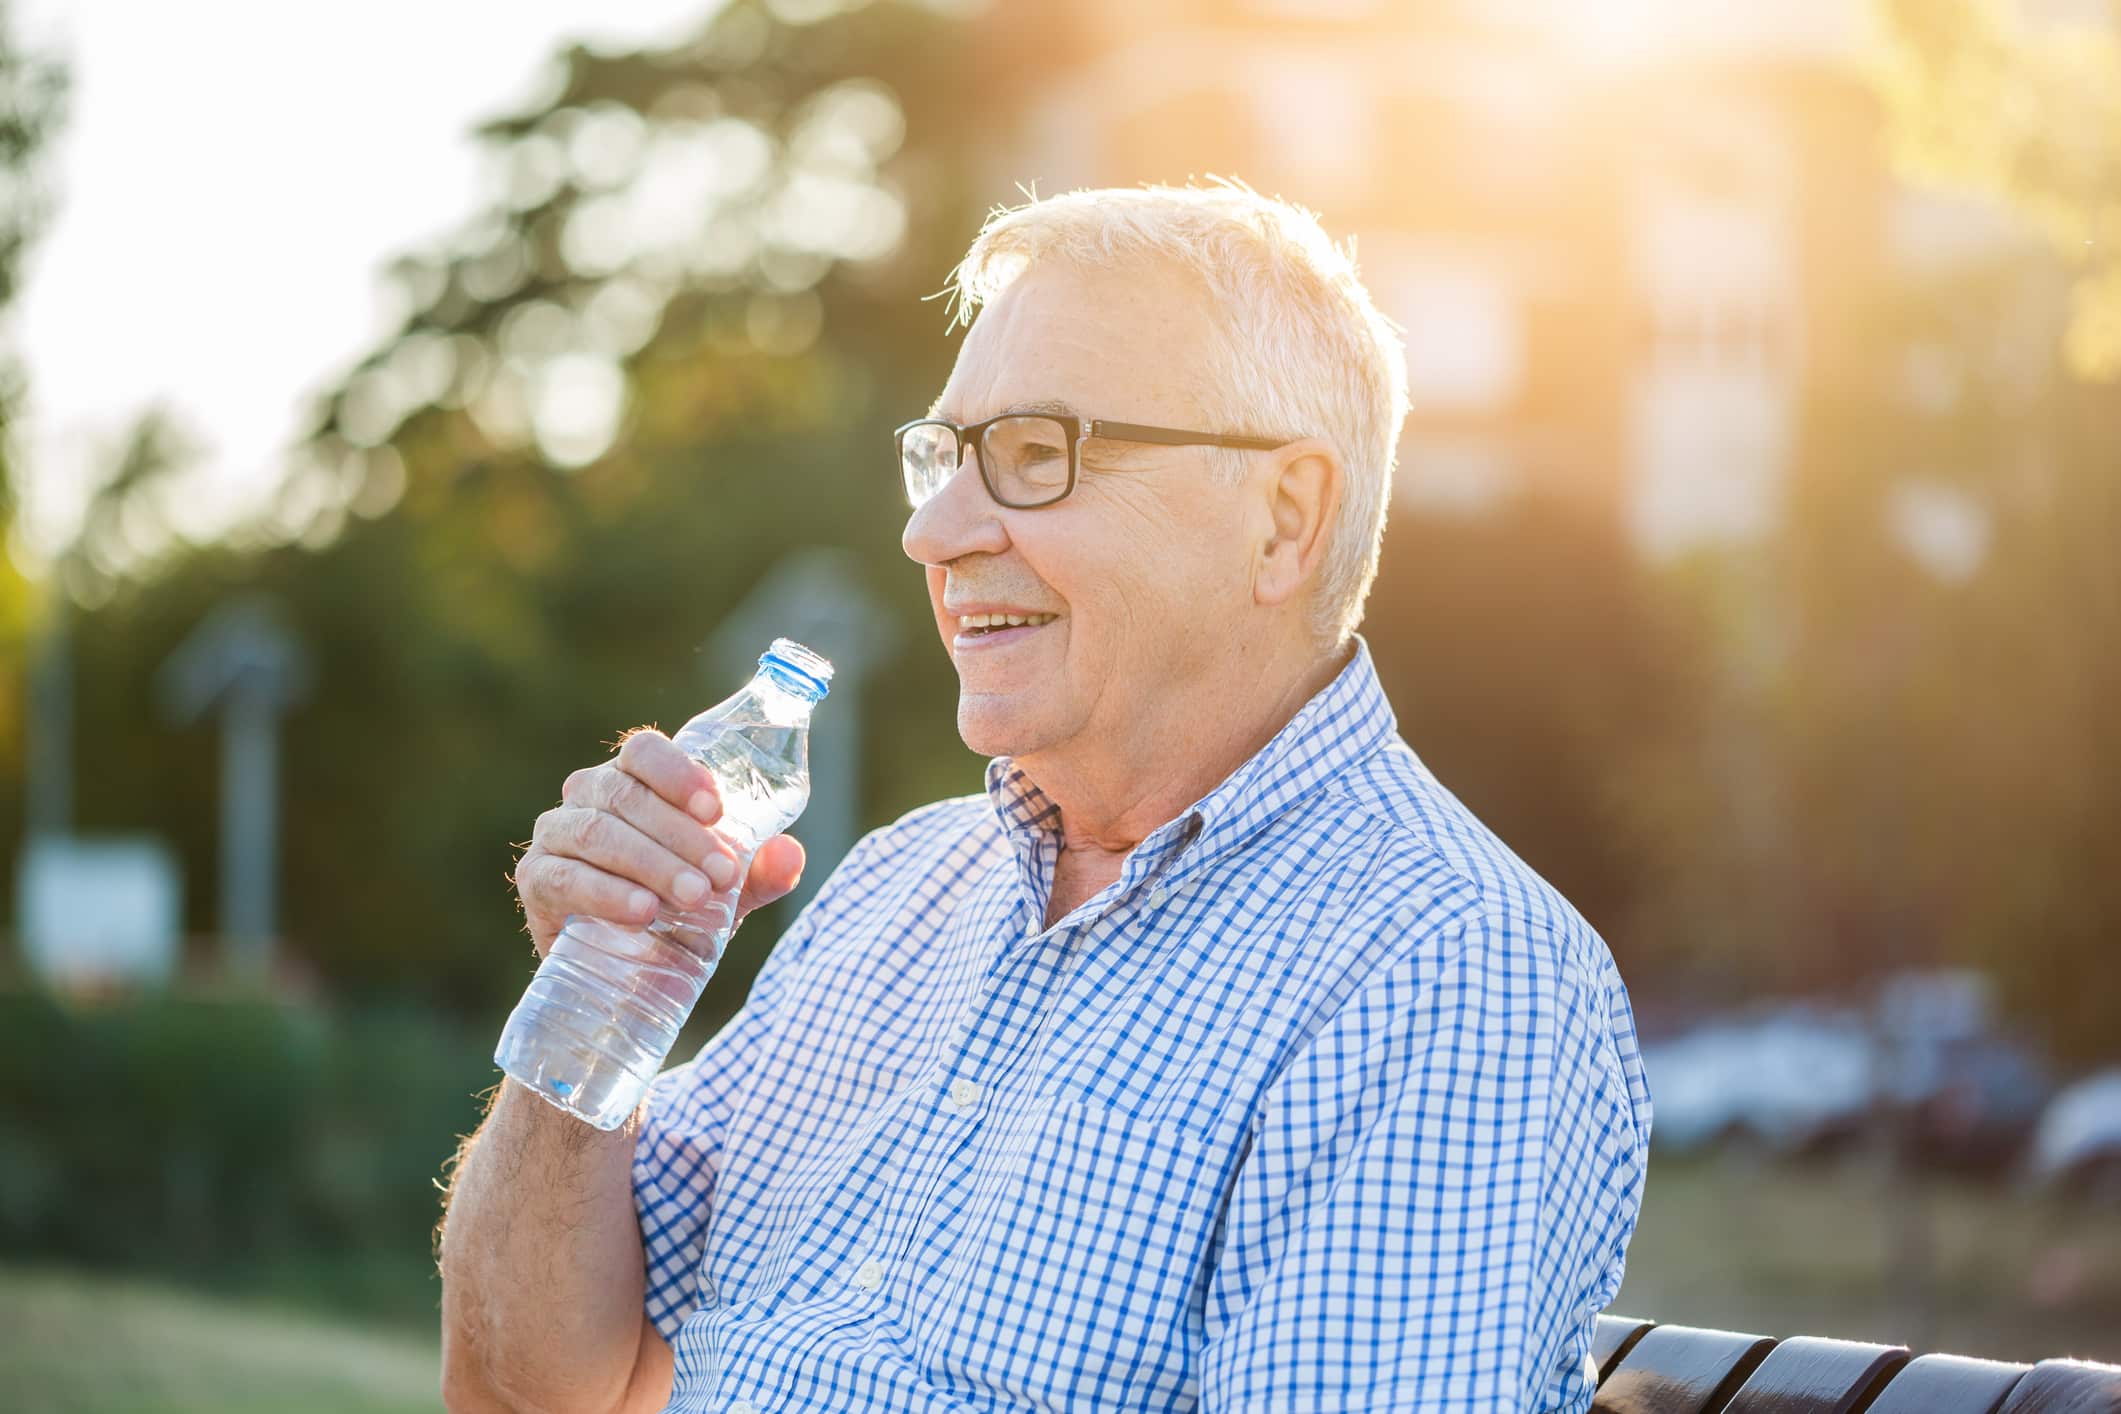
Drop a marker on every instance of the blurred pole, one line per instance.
(1909, 1245)
(817, 597)
(241, 661)
(835, 789)
(250, 811)
(50, 783)
(1910, 1255)
(1911, 1026)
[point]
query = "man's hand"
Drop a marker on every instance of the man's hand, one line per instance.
(543, 1276)
(635, 830)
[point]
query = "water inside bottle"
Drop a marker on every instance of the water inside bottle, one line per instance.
(610, 1002)
(606, 1006)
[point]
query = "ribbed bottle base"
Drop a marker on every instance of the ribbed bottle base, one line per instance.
(596, 1022)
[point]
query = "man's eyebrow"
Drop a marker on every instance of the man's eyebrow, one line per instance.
(1055, 406)
(1052, 405)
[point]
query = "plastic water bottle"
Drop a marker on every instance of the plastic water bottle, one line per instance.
(606, 1005)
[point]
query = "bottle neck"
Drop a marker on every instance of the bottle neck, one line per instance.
(779, 705)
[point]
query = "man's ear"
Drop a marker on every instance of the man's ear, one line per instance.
(1301, 495)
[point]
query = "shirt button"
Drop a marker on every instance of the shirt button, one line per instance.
(743, 1406)
(1157, 896)
(964, 1093)
(870, 1275)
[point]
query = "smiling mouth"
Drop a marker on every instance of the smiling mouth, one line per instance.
(974, 624)
(996, 634)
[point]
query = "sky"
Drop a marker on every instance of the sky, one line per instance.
(231, 180)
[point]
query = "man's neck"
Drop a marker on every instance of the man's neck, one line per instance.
(1109, 804)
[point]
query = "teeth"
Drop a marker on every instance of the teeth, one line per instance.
(1004, 620)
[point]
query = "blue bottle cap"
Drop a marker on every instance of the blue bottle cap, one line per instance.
(805, 673)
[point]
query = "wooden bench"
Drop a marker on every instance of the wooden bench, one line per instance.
(1648, 1368)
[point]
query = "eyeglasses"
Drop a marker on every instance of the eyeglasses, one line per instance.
(1028, 460)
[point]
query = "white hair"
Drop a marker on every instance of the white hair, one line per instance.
(1305, 353)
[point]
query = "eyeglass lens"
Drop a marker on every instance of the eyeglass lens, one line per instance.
(1025, 459)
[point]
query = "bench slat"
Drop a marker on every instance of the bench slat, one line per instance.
(2067, 1387)
(1949, 1384)
(1613, 1337)
(1680, 1370)
(1816, 1375)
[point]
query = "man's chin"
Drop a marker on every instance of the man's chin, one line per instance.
(993, 726)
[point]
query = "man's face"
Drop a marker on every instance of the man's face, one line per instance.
(1144, 564)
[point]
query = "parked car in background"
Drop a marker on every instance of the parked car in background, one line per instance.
(1800, 1077)
(2077, 1146)
(1967, 1090)
(1984, 1106)
(1784, 1078)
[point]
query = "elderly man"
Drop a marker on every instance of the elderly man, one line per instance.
(1214, 1057)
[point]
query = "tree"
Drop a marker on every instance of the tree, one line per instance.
(2030, 116)
(32, 104)
(1532, 660)
(616, 397)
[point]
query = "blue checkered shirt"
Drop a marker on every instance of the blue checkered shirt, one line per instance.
(1327, 1103)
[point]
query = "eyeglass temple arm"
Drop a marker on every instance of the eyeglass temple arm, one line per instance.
(1171, 437)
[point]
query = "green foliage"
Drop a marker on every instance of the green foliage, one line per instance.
(32, 105)
(2031, 116)
(490, 603)
(201, 1135)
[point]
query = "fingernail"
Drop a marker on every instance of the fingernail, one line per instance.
(642, 901)
(722, 869)
(705, 807)
(688, 886)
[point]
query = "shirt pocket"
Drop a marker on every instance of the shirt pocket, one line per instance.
(1084, 1272)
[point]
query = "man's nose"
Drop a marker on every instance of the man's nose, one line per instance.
(959, 519)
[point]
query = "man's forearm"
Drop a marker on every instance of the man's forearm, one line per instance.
(542, 1273)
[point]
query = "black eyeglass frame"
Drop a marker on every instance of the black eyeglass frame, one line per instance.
(1078, 431)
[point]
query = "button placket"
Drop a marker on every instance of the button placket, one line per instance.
(1005, 1038)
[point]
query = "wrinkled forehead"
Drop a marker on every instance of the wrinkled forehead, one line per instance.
(1135, 342)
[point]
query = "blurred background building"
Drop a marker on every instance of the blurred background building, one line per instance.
(1617, 269)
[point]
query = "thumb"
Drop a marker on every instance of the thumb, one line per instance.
(775, 870)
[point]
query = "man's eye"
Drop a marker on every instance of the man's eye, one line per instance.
(1038, 453)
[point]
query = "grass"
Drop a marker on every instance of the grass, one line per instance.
(1813, 1249)
(82, 1344)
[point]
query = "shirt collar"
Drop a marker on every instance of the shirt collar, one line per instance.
(1346, 720)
